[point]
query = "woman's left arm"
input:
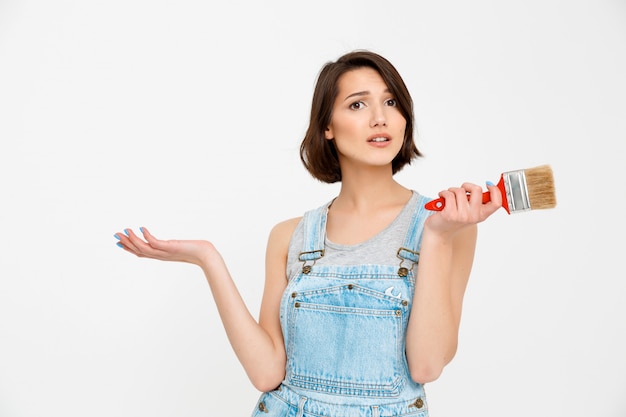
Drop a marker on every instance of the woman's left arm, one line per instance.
(446, 257)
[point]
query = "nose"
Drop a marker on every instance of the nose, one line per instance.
(378, 117)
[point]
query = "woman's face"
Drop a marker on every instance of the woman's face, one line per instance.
(366, 125)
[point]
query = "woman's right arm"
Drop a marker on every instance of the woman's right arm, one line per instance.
(258, 345)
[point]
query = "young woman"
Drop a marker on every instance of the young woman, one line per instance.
(363, 295)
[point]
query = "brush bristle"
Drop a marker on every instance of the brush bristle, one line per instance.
(540, 186)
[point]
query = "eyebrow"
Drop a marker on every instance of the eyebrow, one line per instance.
(361, 94)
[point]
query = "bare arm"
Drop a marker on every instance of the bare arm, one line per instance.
(446, 257)
(258, 345)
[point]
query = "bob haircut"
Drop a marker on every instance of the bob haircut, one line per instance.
(319, 154)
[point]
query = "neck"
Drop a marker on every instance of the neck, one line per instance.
(370, 189)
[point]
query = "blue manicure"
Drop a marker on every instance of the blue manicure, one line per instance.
(126, 231)
(489, 183)
(141, 230)
(116, 236)
(120, 245)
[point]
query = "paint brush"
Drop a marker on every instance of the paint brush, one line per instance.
(522, 190)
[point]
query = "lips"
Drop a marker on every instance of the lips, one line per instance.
(379, 138)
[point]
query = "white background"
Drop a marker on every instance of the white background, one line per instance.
(186, 117)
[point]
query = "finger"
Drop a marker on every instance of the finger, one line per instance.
(495, 194)
(132, 237)
(461, 197)
(125, 241)
(151, 247)
(134, 244)
(474, 193)
(148, 236)
(449, 199)
(158, 244)
(119, 240)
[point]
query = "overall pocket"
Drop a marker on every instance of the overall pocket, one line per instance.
(347, 340)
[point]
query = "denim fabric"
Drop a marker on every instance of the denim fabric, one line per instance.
(285, 402)
(344, 329)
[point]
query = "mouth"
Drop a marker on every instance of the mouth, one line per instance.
(379, 139)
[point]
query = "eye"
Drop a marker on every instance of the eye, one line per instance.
(357, 105)
(391, 102)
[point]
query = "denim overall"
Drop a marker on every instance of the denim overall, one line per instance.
(344, 329)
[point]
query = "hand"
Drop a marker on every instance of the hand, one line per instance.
(463, 207)
(196, 252)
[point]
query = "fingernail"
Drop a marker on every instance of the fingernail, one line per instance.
(126, 231)
(116, 236)
(141, 230)
(489, 183)
(120, 245)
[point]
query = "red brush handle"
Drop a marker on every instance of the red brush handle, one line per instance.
(439, 203)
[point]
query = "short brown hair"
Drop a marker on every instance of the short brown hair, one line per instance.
(318, 154)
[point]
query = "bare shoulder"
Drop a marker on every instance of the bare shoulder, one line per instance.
(286, 226)
(281, 234)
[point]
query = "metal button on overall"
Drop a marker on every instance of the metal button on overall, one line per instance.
(419, 403)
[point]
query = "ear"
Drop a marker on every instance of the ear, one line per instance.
(328, 133)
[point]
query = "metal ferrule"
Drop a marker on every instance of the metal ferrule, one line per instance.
(516, 191)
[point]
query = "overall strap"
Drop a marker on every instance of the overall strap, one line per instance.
(314, 222)
(410, 248)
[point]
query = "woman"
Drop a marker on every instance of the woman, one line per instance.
(363, 295)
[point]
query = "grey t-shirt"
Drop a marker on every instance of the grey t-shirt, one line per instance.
(380, 249)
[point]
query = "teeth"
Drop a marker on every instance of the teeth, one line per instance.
(379, 140)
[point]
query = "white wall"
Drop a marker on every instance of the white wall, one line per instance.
(185, 117)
